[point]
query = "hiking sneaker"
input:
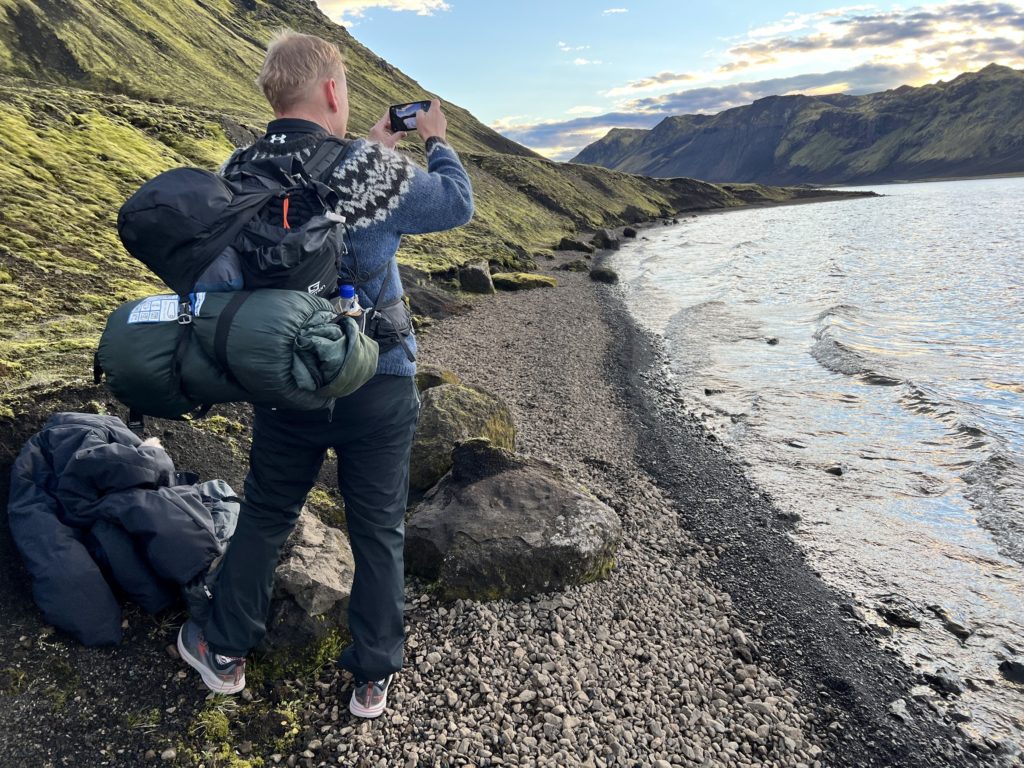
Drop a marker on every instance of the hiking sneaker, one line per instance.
(370, 699)
(222, 674)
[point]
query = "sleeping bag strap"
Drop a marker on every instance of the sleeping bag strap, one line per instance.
(97, 368)
(136, 421)
(220, 334)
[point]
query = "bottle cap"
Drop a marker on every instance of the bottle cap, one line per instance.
(348, 292)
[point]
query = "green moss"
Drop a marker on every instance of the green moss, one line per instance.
(292, 664)
(328, 506)
(522, 281)
(600, 571)
(220, 425)
(212, 725)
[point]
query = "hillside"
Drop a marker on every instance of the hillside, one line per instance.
(972, 125)
(97, 96)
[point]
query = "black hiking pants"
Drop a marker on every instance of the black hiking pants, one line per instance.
(371, 431)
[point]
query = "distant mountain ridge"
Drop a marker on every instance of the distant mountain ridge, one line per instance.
(972, 125)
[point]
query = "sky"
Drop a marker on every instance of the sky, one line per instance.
(556, 75)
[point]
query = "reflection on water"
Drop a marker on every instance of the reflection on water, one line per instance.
(867, 359)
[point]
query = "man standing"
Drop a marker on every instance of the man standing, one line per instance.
(383, 196)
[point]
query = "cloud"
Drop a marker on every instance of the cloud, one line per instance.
(942, 31)
(659, 80)
(346, 10)
(612, 11)
(562, 140)
(581, 62)
(566, 48)
(866, 78)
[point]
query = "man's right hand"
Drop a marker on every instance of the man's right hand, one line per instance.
(433, 122)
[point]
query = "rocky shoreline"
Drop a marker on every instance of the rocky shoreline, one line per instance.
(711, 642)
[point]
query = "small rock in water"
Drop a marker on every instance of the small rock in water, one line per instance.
(836, 469)
(1013, 671)
(898, 709)
(899, 612)
(944, 681)
(772, 341)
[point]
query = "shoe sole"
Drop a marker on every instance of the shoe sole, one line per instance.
(211, 680)
(367, 713)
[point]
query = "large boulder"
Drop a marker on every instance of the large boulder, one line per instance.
(502, 526)
(571, 244)
(605, 240)
(312, 585)
(450, 414)
(476, 278)
(522, 281)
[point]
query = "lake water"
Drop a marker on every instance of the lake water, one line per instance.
(882, 339)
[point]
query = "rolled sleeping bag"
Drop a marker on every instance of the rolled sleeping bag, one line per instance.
(280, 349)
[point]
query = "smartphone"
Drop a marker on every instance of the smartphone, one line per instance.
(403, 116)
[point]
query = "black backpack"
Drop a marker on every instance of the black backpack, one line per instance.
(200, 231)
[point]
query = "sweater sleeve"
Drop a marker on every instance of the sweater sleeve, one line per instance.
(381, 187)
(439, 198)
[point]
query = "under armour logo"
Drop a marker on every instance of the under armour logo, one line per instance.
(278, 138)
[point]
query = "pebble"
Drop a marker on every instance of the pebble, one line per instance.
(169, 754)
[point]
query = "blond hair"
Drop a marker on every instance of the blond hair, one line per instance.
(295, 63)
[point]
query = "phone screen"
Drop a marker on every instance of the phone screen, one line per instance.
(403, 116)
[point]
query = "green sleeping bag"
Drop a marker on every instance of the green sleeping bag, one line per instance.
(280, 349)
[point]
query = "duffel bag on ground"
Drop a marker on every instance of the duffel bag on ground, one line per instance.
(282, 349)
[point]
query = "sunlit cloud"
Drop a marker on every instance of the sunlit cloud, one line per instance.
(581, 62)
(611, 11)
(566, 48)
(345, 11)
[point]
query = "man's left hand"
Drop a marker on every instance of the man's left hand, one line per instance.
(382, 133)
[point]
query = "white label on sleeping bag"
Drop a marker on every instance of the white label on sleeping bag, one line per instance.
(155, 309)
(162, 309)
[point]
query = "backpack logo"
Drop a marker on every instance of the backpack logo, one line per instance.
(315, 288)
(278, 138)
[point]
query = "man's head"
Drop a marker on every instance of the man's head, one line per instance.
(304, 76)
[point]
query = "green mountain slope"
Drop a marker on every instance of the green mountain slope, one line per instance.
(972, 125)
(96, 96)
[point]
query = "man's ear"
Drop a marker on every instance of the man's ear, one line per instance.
(331, 91)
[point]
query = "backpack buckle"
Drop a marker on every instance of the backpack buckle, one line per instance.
(184, 313)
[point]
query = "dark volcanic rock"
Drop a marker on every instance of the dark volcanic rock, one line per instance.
(571, 244)
(476, 278)
(312, 585)
(449, 415)
(629, 232)
(605, 240)
(428, 300)
(502, 526)
(604, 275)
(577, 265)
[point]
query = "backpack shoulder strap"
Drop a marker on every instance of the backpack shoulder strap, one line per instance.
(331, 152)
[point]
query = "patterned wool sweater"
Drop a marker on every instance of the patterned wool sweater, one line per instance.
(384, 195)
